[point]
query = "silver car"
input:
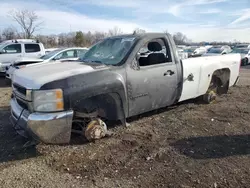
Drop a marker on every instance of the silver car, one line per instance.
(61, 54)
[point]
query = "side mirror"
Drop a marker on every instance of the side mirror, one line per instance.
(56, 58)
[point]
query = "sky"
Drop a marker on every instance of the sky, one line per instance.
(199, 20)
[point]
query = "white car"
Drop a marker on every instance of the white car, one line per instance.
(182, 53)
(11, 50)
(245, 55)
(59, 55)
(218, 51)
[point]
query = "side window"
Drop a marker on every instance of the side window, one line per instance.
(32, 48)
(12, 49)
(67, 54)
(154, 52)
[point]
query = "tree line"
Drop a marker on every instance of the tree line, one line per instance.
(30, 24)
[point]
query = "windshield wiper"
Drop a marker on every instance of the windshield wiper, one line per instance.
(92, 61)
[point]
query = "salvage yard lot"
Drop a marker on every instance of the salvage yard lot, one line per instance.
(187, 145)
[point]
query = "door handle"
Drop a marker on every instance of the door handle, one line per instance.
(168, 73)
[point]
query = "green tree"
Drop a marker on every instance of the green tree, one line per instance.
(79, 39)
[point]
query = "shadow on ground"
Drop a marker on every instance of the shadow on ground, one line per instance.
(214, 146)
(12, 146)
(4, 82)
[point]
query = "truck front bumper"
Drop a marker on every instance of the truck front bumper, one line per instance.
(50, 128)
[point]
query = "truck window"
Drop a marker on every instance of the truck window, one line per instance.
(154, 52)
(12, 49)
(31, 48)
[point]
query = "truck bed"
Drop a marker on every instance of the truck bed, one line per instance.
(202, 69)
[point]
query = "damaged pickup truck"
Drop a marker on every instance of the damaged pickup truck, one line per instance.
(119, 77)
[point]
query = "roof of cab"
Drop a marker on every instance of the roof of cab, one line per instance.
(142, 35)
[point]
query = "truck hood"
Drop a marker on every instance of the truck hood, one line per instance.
(36, 76)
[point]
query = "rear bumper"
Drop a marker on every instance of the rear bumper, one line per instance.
(50, 128)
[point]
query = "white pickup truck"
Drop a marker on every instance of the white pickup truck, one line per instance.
(12, 50)
(114, 81)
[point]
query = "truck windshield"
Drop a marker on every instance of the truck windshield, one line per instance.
(110, 51)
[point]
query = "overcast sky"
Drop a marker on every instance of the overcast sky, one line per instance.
(200, 20)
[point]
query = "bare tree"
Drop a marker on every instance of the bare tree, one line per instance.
(139, 31)
(179, 38)
(28, 20)
(9, 33)
(115, 31)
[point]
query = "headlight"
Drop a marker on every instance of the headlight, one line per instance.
(48, 100)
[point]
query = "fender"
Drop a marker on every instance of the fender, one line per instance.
(103, 89)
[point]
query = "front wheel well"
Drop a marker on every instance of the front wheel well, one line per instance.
(108, 106)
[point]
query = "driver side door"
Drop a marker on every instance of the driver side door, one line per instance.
(153, 83)
(11, 53)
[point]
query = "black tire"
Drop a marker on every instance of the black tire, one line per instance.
(246, 61)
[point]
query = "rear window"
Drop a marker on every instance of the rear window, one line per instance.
(31, 48)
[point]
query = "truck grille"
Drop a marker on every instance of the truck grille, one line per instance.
(19, 89)
(21, 96)
(23, 104)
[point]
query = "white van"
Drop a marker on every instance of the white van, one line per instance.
(11, 50)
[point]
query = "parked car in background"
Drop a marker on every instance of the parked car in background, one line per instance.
(199, 52)
(182, 53)
(242, 46)
(47, 50)
(11, 50)
(62, 54)
(245, 55)
(189, 51)
(218, 51)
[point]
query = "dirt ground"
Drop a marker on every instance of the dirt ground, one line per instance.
(187, 145)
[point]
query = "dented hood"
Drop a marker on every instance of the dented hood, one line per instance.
(35, 76)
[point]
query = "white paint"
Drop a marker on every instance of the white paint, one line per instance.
(35, 76)
(201, 67)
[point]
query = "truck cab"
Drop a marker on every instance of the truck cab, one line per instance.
(13, 49)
